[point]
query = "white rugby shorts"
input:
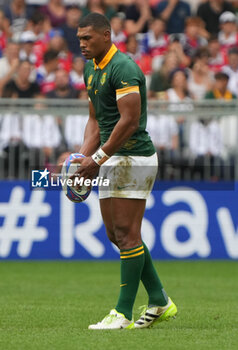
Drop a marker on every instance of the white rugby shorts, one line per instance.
(129, 176)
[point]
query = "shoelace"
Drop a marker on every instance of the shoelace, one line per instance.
(108, 319)
(142, 309)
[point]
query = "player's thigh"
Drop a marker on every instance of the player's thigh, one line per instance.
(127, 215)
(105, 205)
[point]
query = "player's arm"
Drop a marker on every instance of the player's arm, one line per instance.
(91, 134)
(129, 108)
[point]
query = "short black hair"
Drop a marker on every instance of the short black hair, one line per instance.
(95, 20)
(158, 18)
(25, 60)
(50, 55)
(233, 50)
(37, 17)
(221, 76)
(213, 37)
(176, 70)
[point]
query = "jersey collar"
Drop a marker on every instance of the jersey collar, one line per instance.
(106, 59)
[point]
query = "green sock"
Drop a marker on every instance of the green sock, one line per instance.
(152, 283)
(132, 262)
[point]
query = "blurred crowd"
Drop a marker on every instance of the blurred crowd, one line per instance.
(188, 50)
(40, 52)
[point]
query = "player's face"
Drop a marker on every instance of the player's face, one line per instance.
(93, 43)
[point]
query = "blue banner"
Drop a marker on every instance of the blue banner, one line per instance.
(182, 221)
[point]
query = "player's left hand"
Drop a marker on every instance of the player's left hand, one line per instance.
(88, 168)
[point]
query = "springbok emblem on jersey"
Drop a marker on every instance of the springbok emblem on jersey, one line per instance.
(103, 78)
(90, 78)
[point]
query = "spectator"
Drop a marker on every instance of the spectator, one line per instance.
(119, 35)
(70, 28)
(45, 75)
(74, 131)
(217, 57)
(55, 11)
(42, 137)
(206, 148)
(3, 32)
(191, 40)
(62, 89)
(220, 90)
(174, 12)
(228, 35)
(199, 79)
(176, 47)
(203, 54)
(164, 132)
(133, 50)
(155, 42)
(17, 14)
(58, 43)
(32, 131)
(232, 70)
(178, 93)
(210, 12)
(160, 79)
(27, 40)
(21, 86)
(51, 138)
(11, 142)
(76, 74)
(9, 64)
(40, 26)
(206, 139)
(179, 87)
(138, 15)
(99, 6)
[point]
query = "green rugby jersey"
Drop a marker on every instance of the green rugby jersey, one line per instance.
(114, 77)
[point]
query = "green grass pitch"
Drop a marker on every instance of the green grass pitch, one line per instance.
(49, 305)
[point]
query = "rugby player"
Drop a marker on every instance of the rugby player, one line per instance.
(117, 145)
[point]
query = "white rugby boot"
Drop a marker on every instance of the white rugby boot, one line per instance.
(155, 314)
(115, 320)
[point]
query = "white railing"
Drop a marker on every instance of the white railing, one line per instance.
(35, 132)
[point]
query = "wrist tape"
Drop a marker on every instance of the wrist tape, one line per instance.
(100, 157)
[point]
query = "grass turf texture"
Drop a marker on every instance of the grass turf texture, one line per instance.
(49, 305)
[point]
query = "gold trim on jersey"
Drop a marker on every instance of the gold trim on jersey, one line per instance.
(127, 90)
(106, 58)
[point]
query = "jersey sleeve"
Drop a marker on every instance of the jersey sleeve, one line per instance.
(126, 79)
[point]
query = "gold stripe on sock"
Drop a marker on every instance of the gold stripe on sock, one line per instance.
(133, 255)
(132, 251)
(123, 285)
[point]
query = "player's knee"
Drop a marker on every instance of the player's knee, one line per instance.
(126, 237)
(111, 236)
